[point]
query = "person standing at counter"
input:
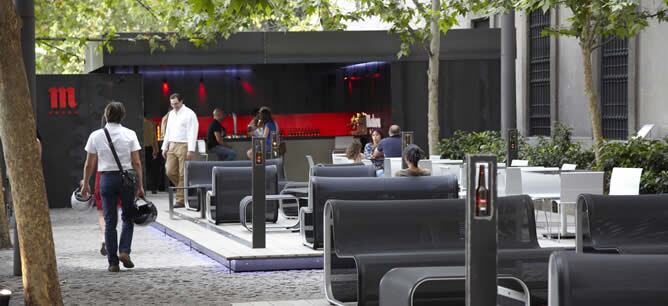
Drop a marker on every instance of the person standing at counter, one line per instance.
(215, 137)
(267, 125)
(180, 143)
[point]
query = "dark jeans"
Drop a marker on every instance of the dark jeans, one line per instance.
(111, 188)
(223, 152)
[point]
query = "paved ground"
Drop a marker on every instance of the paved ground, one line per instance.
(167, 272)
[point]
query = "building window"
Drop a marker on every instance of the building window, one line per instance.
(614, 89)
(539, 75)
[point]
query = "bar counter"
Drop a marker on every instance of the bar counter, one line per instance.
(297, 147)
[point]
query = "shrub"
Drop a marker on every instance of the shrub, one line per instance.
(558, 150)
(462, 143)
(651, 155)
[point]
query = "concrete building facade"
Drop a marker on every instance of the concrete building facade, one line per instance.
(629, 77)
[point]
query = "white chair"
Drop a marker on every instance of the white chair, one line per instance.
(513, 181)
(568, 167)
(572, 185)
(201, 153)
(341, 160)
(337, 158)
(310, 161)
(427, 164)
(391, 166)
(342, 142)
(443, 170)
(519, 163)
(434, 157)
(625, 181)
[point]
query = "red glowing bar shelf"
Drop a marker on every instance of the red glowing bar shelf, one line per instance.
(294, 125)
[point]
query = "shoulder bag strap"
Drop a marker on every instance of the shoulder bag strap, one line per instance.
(113, 150)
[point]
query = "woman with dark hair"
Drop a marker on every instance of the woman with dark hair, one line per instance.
(412, 155)
(376, 136)
(127, 148)
(264, 127)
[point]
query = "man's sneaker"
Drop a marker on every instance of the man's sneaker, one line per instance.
(125, 259)
(103, 250)
(113, 268)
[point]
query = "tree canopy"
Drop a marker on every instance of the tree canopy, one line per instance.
(63, 27)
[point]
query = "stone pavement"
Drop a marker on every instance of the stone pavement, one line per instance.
(167, 272)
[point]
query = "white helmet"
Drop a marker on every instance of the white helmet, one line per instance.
(79, 202)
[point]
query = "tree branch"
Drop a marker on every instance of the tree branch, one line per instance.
(148, 8)
(420, 8)
(601, 44)
(60, 49)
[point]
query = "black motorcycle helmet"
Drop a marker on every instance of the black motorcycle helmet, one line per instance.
(146, 212)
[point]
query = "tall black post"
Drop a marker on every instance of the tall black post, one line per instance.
(259, 197)
(481, 229)
(512, 147)
(406, 139)
(508, 55)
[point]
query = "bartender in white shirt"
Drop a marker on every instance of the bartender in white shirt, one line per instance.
(179, 143)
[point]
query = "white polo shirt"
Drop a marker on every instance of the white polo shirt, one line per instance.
(182, 127)
(125, 141)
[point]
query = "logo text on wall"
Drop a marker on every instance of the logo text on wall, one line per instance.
(63, 101)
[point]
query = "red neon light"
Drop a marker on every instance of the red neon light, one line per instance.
(248, 88)
(202, 91)
(165, 88)
(355, 78)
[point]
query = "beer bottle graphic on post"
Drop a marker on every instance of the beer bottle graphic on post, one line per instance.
(481, 195)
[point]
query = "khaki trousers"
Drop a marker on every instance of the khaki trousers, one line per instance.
(175, 166)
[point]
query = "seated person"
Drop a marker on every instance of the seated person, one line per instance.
(354, 151)
(390, 146)
(412, 155)
(215, 137)
(370, 147)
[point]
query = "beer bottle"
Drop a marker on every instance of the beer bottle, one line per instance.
(481, 195)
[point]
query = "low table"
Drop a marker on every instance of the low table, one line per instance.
(398, 286)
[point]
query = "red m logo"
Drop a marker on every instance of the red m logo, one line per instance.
(62, 98)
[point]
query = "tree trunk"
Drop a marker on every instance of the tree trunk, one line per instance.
(594, 113)
(24, 168)
(433, 128)
(5, 241)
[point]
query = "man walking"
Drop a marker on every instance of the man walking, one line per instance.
(215, 141)
(179, 143)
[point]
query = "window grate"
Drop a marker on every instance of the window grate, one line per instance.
(614, 89)
(539, 75)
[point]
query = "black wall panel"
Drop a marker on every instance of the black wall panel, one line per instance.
(469, 97)
(65, 131)
(285, 88)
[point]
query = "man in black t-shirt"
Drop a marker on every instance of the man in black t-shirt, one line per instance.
(215, 137)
